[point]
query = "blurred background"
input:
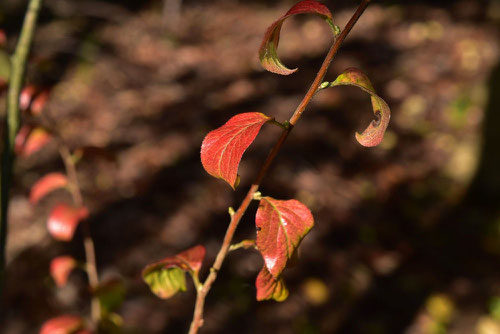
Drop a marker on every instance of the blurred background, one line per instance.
(407, 234)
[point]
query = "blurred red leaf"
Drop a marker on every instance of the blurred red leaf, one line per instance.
(60, 268)
(63, 221)
(166, 277)
(29, 140)
(26, 97)
(281, 227)
(223, 148)
(374, 133)
(269, 287)
(268, 50)
(39, 102)
(65, 324)
(3, 38)
(47, 184)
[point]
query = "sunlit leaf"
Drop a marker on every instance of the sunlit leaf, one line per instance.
(65, 324)
(223, 148)
(60, 268)
(63, 221)
(29, 140)
(269, 287)
(166, 277)
(268, 50)
(373, 135)
(47, 184)
(111, 295)
(26, 96)
(281, 226)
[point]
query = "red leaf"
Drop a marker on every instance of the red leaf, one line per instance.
(30, 140)
(189, 260)
(47, 184)
(60, 268)
(223, 148)
(373, 135)
(166, 277)
(65, 324)
(268, 49)
(63, 221)
(3, 38)
(269, 287)
(281, 227)
(39, 102)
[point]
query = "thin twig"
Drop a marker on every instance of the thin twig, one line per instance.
(197, 321)
(12, 123)
(88, 242)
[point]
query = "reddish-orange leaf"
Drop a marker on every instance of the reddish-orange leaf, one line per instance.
(268, 50)
(281, 226)
(47, 184)
(269, 287)
(39, 102)
(35, 140)
(60, 268)
(166, 277)
(223, 148)
(21, 136)
(63, 221)
(373, 135)
(3, 38)
(64, 324)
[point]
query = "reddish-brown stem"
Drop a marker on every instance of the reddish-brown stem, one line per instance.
(203, 289)
(88, 242)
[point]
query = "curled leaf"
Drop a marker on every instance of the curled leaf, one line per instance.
(26, 96)
(63, 221)
(281, 226)
(222, 148)
(166, 277)
(374, 133)
(269, 287)
(64, 324)
(268, 50)
(47, 184)
(60, 268)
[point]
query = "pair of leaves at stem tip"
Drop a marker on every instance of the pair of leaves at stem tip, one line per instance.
(168, 276)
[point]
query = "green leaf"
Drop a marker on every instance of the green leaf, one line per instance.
(268, 50)
(166, 282)
(374, 133)
(111, 295)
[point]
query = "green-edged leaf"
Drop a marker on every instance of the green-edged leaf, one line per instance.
(268, 50)
(222, 148)
(374, 133)
(269, 287)
(165, 282)
(166, 277)
(281, 226)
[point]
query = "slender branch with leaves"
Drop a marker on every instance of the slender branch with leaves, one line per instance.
(15, 80)
(280, 224)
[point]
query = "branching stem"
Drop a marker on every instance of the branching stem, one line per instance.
(197, 321)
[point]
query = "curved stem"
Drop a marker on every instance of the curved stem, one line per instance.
(12, 124)
(197, 321)
(88, 242)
